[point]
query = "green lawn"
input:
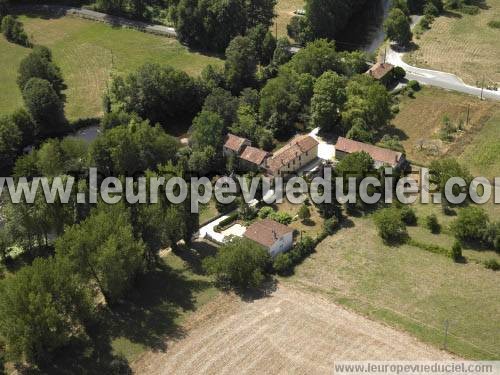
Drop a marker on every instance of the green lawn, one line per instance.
(88, 53)
(409, 288)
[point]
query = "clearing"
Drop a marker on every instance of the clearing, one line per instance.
(284, 10)
(88, 53)
(462, 44)
(420, 119)
(409, 288)
(287, 332)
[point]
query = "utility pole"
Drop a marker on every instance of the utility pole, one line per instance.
(468, 115)
(385, 54)
(446, 326)
(276, 26)
(482, 88)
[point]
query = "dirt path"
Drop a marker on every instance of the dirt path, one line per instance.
(290, 332)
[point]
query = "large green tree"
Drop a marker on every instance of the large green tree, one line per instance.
(241, 64)
(397, 27)
(10, 142)
(328, 100)
(42, 307)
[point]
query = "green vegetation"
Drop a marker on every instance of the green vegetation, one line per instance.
(106, 50)
(13, 31)
(397, 27)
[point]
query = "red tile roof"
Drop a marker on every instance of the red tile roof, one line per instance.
(297, 146)
(266, 232)
(379, 154)
(234, 143)
(380, 70)
(254, 155)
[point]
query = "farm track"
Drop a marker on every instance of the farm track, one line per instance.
(288, 332)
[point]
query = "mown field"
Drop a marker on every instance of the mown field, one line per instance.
(409, 288)
(420, 119)
(88, 53)
(284, 10)
(462, 44)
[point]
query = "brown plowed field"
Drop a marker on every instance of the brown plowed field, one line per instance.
(289, 332)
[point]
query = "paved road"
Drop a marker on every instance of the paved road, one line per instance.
(436, 78)
(101, 17)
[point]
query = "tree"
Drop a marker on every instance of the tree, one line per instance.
(241, 263)
(471, 224)
(264, 42)
(241, 64)
(10, 143)
(26, 126)
(299, 30)
(282, 53)
(157, 93)
(390, 225)
(224, 104)
(13, 31)
(441, 171)
(128, 149)
(208, 130)
(104, 251)
(432, 223)
(283, 263)
(402, 5)
(38, 64)
(42, 307)
(304, 213)
(456, 252)
(45, 107)
(328, 100)
(397, 27)
(316, 58)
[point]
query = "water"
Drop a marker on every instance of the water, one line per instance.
(365, 31)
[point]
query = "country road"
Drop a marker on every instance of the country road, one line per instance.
(436, 78)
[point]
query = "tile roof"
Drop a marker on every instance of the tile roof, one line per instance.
(233, 142)
(266, 232)
(254, 155)
(379, 154)
(297, 146)
(379, 70)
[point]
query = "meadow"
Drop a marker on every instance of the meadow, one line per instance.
(89, 53)
(420, 119)
(463, 44)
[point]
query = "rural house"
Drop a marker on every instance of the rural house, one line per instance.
(275, 237)
(252, 158)
(381, 156)
(234, 145)
(296, 154)
(382, 72)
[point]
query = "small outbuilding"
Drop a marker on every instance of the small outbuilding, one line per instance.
(275, 237)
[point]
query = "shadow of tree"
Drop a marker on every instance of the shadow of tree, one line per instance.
(194, 255)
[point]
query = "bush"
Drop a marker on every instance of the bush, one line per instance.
(390, 225)
(281, 217)
(414, 85)
(456, 252)
(226, 222)
(331, 225)
(304, 213)
(240, 263)
(13, 31)
(494, 24)
(492, 264)
(283, 263)
(408, 215)
(265, 212)
(431, 222)
(399, 73)
(470, 224)
(469, 9)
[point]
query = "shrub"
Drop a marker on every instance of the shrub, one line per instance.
(304, 212)
(390, 225)
(331, 225)
(408, 215)
(281, 217)
(13, 31)
(431, 222)
(494, 24)
(226, 222)
(414, 85)
(492, 264)
(491, 235)
(265, 212)
(283, 263)
(427, 247)
(456, 251)
(470, 224)
(469, 9)
(240, 263)
(399, 73)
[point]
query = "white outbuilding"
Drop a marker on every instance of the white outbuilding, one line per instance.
(275, 237)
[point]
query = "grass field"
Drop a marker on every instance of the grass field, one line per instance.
(408, 288)
(420, 119)
(88, 52)
(464, 45)
(284, 10)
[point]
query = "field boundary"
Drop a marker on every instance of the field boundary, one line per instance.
(100, 17)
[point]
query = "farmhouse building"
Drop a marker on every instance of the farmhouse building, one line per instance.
(382, 72)
(234, 145)
(275, 237)
(297, 153)
(381, 156)
(253, 158)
